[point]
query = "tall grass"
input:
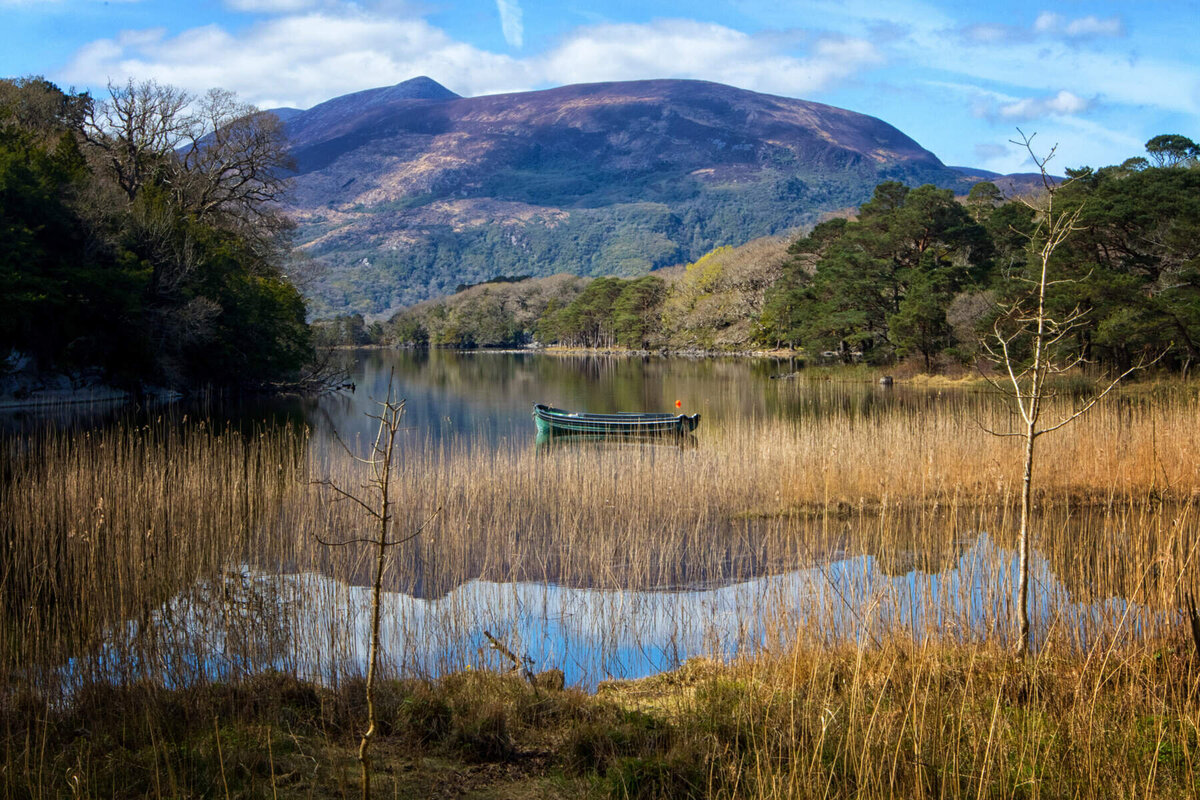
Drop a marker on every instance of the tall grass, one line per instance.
(877, 549)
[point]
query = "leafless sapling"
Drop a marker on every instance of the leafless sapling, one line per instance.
(377, 504)
(1029, 344)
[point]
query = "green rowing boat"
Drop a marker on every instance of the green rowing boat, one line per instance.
(557, 422)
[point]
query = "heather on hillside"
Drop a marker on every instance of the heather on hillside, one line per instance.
(919, 274)
(407, 191)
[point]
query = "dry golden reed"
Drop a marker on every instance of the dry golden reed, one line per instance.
(103, 528)
(162, 553)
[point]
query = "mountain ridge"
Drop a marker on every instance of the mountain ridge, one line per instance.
(407, 191)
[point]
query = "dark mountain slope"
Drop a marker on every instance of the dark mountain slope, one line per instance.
(1011, 185)
(410, 190)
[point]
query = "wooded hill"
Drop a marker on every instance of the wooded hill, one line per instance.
(918, 274)
(406, 191)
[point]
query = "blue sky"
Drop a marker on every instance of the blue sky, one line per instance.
(1096, 78)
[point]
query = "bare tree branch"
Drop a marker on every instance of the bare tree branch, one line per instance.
(381, 464)
(1143, 363)
(1028, 323)
(343, 494)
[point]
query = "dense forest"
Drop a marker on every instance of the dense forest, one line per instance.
(611, 238)
(919, 274)
(138, 235)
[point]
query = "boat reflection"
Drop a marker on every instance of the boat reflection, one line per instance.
(545, 442)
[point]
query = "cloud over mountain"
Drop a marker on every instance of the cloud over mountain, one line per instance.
(1061, 104)
(303, 58)
(1080, 27)
(1135, 69)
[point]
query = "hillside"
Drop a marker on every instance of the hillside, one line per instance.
(407, 191)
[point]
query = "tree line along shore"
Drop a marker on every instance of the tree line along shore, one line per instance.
(918, 275)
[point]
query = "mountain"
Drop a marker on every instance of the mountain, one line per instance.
(335, 122)
(1011, 185)
(407, 191)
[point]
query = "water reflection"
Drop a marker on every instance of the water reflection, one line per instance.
(487, 396)
(708, 584)
(319, 628)
(548, 442)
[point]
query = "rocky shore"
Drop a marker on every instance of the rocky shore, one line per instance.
(24, 385)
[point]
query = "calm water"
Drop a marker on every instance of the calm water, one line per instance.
(483, 400)
(321, 630)
(488, 397)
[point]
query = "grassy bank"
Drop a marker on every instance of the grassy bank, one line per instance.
(890, 721)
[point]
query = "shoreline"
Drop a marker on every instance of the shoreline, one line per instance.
(51, 398)
(100, 395)
(606, 351)
(706, 728)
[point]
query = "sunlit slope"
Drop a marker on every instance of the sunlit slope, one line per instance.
(411, 190)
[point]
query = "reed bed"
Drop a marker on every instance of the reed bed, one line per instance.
(857, 568)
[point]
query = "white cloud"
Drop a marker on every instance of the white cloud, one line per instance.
(988, 33)
(706, 51)
(302, 59)
(1048, 25)
(1004, 107)
(1100, 135)
(1062, 104)
(298, 60)
(1092, 26)
(1081, 28)
(146, 37)
(1040, 65)
(1047, 22)
(510, 22)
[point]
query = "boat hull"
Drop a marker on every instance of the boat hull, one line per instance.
(558, 422)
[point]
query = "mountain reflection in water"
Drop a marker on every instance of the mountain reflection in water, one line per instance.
(318, 628)
(599, 591)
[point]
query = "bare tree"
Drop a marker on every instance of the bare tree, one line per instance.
(234, 159)
(175, 257)
(221, 159)
(378, 507)
(137, 130)
(1028, 343)
(218, 159)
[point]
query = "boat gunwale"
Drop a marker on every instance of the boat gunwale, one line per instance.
(624, 417)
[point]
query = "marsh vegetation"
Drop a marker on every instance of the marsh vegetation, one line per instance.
(850, 571)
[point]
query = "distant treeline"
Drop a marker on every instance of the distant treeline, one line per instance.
(919, 274)
(139, 234)
(462, 287)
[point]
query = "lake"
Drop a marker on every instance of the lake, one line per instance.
(488, 396)
(836, 511)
